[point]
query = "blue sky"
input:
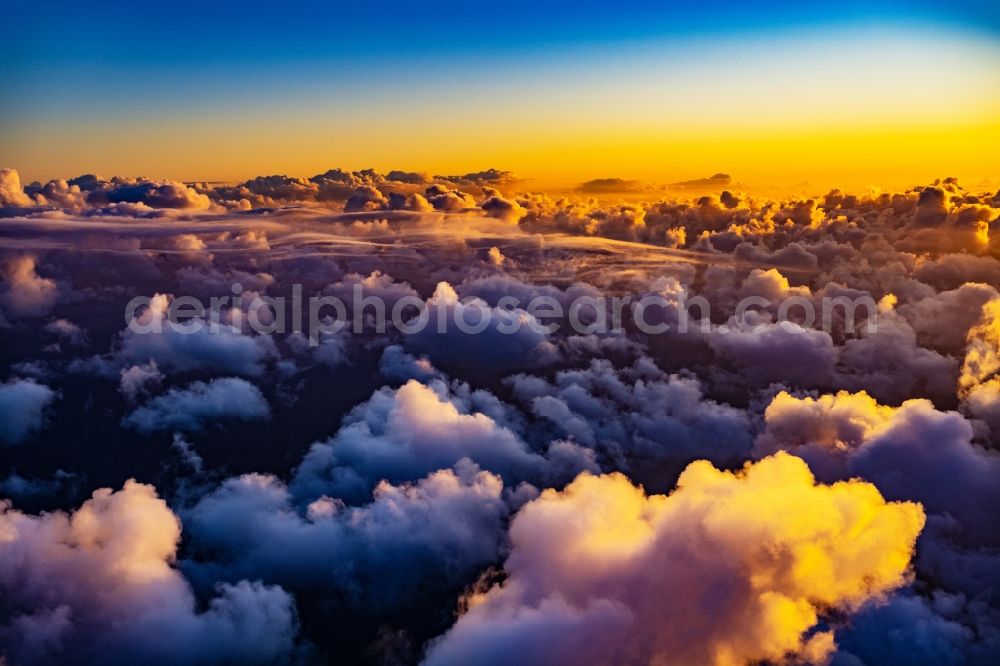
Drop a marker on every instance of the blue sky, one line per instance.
(79, 36)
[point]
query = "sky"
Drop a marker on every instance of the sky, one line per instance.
(845, 93)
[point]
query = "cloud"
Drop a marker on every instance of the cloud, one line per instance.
(516, 338)
(912, 630)
(437, 530)
(185, 349)
(932, 208)
(26, 488)
(377, 285)
(782, 352)
(912, 451)
(209, 281)
(190, 409)
(97, 585)
(403, 456)
(67, 331)
(493, 177)
(413, 201)
(951, 271)
(729, 568)
(839, 422)
(331, 349)
(397, 365)
(983, 402)
(982, 354)
(917, 453)
(137, 379)
(406, 433)
(715, 181)
(58, 193)
(269, 191)
(502, 209)
(11, 192)
(445, 199)
(639, 418)
(890, 363)
(365, 198)
(154, 194)
(609, 185)
(24, 293)
(22, 409)
(495, 256)
(942, 321)
(770, 285)
(492, 288)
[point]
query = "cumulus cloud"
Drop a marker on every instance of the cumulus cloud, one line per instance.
(25, 293)
(198, 345)
(227, 398)
(982, 402)
(890, 363)
(501, 208)
(22, 409)
(67, 331)
(11, 192)
(729, 568)
(377, 285)
(458, 329)
(20, 487)
(951, 271)
(918, 453)
(398, 365)
(154, 194)
(445, 199)
(638, 418)
(137, 379)
(979, 378)
(932, 207)
(495, 256)
(982, 355)
(58, 193)
(491, 177)
(942, 322)
(775, 352)
(403, 455)
(97, 585)
(365, 198)
(912, 451)
(406, 433)
(383, 553)
(909, 629)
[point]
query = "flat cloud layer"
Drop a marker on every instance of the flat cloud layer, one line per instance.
(789, 454)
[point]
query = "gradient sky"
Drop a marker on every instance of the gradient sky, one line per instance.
(846, 93)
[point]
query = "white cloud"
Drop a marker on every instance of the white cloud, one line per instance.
(97, 585)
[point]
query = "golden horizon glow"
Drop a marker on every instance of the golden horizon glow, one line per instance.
(843, 110)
